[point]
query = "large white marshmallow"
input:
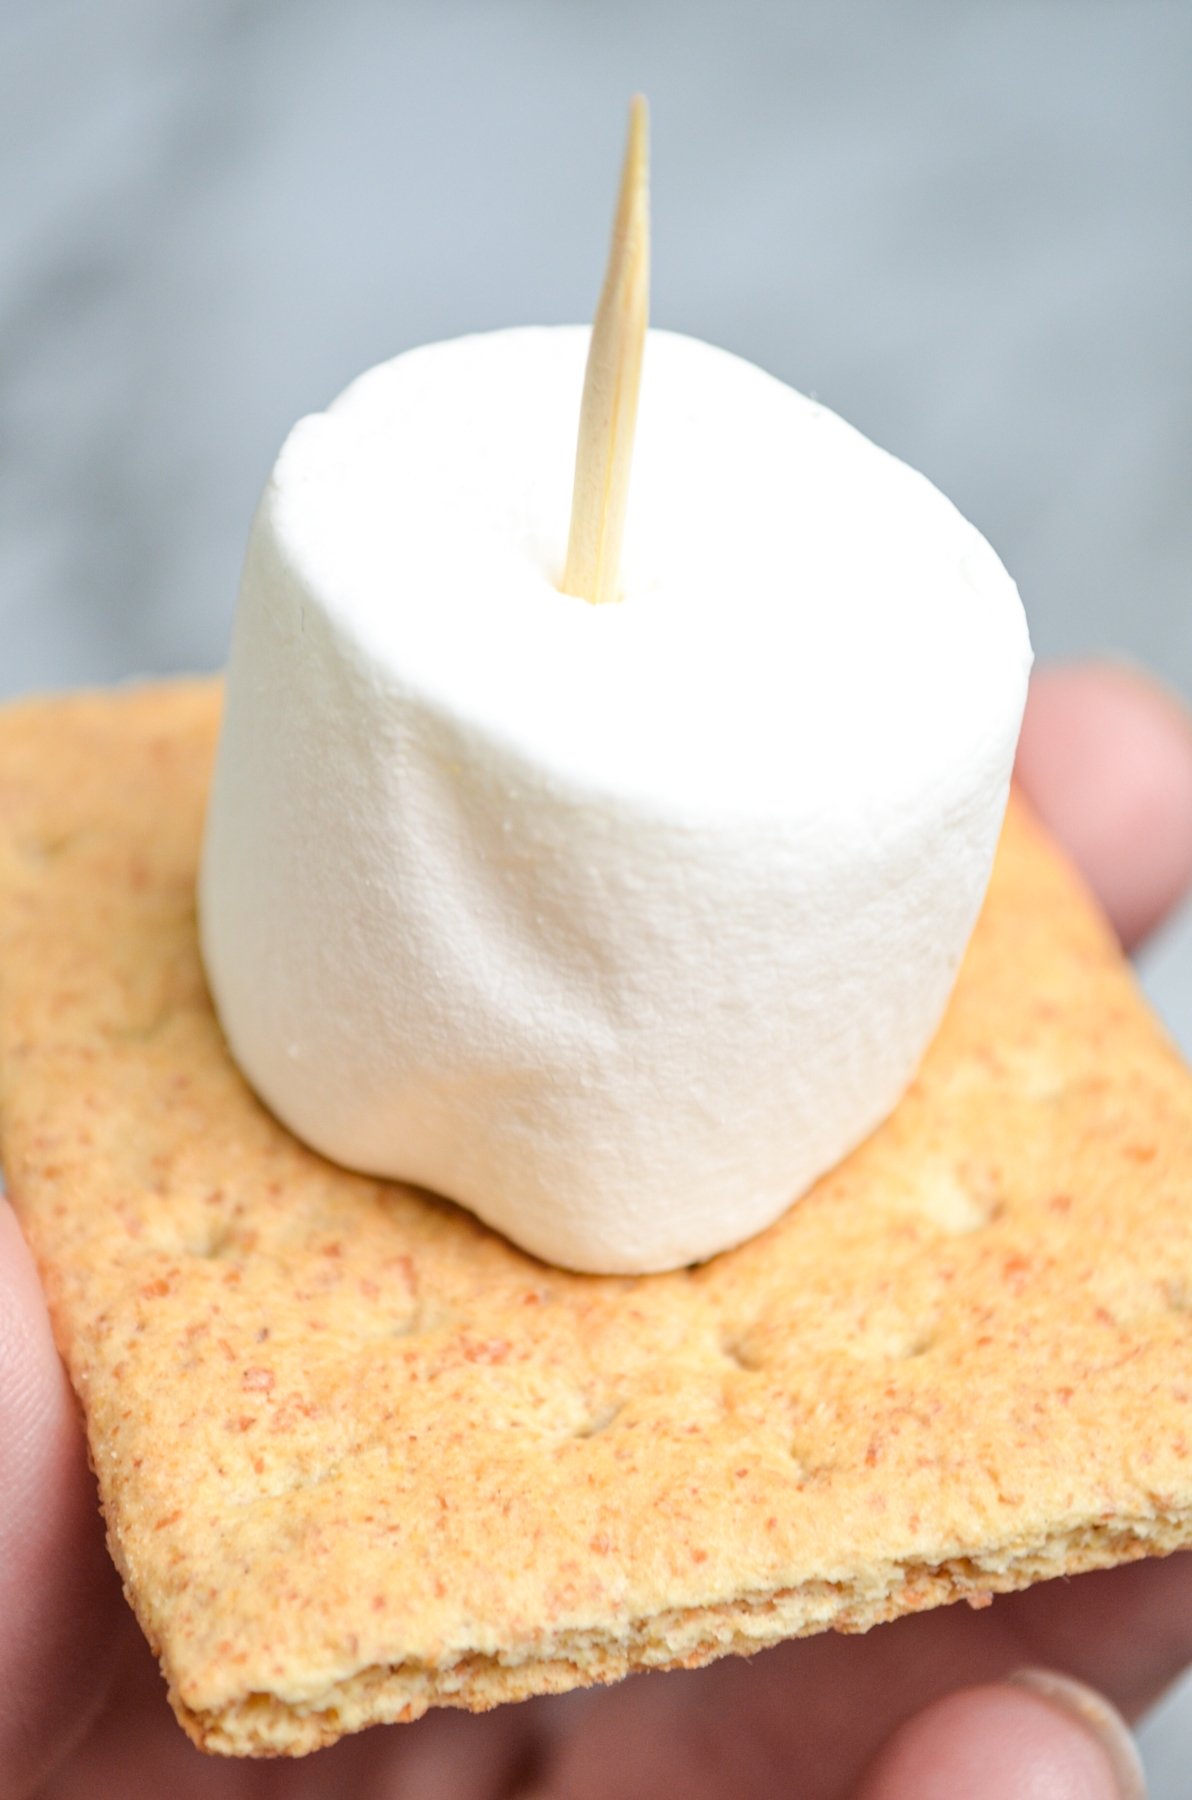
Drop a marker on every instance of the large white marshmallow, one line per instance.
(618, 924)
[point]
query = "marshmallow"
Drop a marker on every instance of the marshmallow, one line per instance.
(616, 924)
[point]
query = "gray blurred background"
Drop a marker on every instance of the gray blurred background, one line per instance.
(967, 227)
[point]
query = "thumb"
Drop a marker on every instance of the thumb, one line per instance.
(1105, 757)
(58, 1592)
(1037, 1736)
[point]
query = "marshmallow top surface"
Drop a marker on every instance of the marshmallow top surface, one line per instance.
(806, 623)
(617, 924)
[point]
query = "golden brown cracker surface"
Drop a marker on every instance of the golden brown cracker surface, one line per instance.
(358, 1456)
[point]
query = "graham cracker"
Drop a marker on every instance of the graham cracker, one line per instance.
(358, 1456)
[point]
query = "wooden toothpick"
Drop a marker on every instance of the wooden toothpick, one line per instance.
(608, 414)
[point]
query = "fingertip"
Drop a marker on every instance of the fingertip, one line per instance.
(35, 1424)
(58, 1594)
(1008, 1738)
(1105, 758)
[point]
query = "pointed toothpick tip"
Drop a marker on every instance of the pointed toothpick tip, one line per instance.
(612, 381)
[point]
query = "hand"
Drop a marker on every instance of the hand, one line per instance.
(1107, 759)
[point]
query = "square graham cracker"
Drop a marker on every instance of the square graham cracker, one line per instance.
(358, 1456)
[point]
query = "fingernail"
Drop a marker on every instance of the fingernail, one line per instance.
(1093, 1711)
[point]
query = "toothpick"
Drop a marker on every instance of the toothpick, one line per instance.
(608, 414)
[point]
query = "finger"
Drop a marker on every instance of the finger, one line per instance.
(1105, 758)
(1042, 1737)
(58, 1592)
(1126, 1630)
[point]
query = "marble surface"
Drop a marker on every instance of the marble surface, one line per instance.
(966, 228)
